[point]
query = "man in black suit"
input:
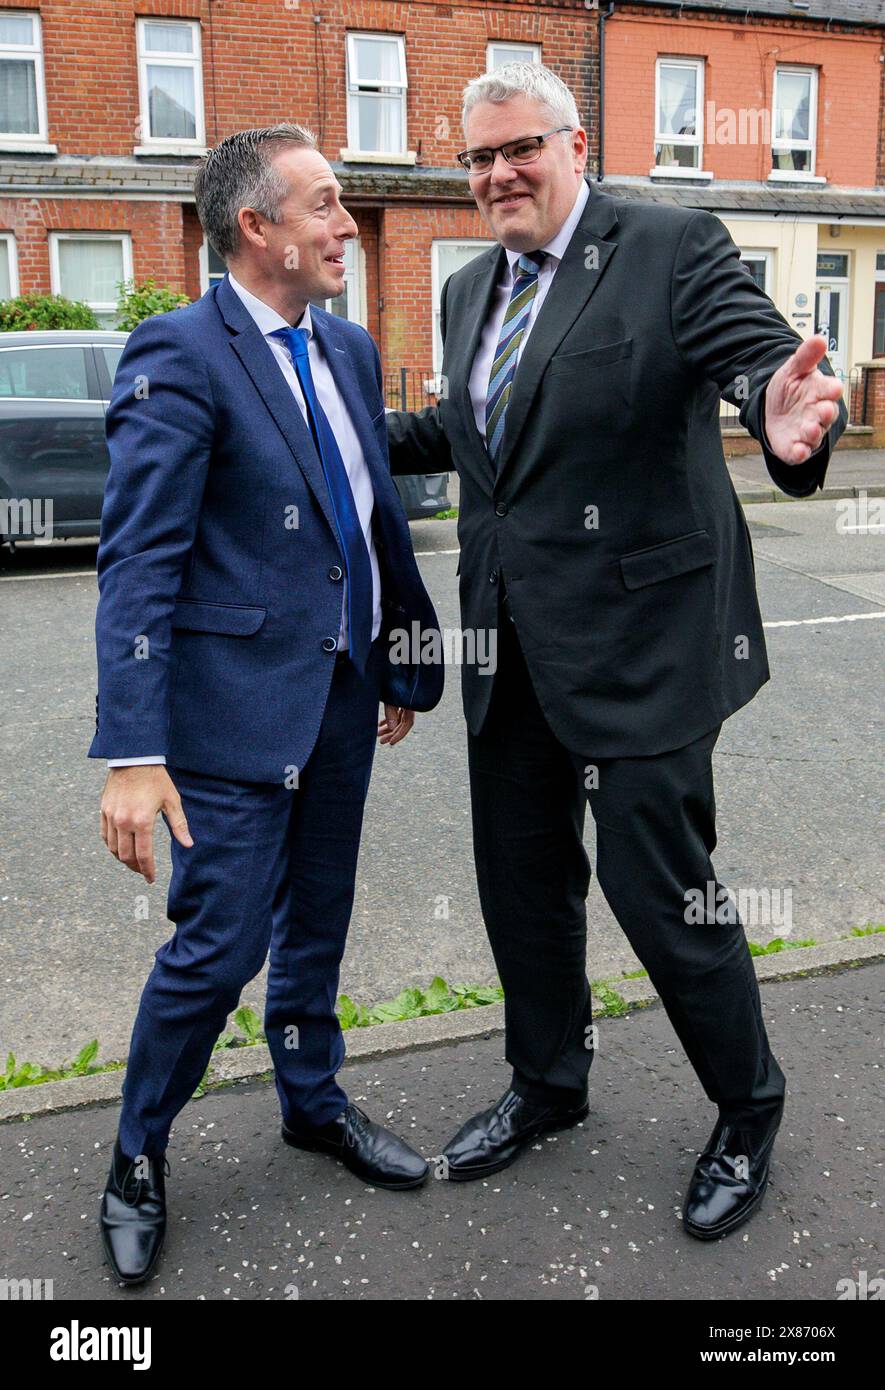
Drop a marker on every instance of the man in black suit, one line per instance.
(600, 535)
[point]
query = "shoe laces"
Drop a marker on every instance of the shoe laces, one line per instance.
(355, 1123)
(128, 1179)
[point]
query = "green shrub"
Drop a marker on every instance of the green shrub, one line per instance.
(33, 311)
(138, 302)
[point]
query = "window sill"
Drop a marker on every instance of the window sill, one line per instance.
(678, 171)
(9, 145)
(170, 147)
(794, 176)
(369, 157)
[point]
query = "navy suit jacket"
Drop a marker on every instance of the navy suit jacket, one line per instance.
(219, 566)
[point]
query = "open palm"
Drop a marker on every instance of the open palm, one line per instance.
(801, 403)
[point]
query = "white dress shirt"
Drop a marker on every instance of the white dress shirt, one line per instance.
(485, 353)
(268, 320)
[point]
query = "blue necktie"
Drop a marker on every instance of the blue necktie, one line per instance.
(360, 610)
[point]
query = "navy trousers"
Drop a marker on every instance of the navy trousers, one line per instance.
(271, 867)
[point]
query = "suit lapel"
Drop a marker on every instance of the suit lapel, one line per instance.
(479, 298)
(575, 281)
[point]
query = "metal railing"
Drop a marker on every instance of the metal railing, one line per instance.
(852, 390)
(411, 388)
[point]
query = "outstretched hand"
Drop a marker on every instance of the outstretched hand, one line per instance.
(801, 403)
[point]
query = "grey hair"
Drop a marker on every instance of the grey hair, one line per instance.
(239, 173)
(527, 80)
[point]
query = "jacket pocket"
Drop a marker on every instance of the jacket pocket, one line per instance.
(591, 357)
(229, 619)
(656, 562)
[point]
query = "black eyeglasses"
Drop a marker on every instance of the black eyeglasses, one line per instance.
(525, 150)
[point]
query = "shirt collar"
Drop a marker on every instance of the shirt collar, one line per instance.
(555, 247)
(267, 319)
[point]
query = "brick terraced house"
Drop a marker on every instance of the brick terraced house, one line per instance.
(770, 113)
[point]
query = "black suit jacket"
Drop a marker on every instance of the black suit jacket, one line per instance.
(639, 620)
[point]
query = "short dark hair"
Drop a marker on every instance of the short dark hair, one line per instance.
(239, 173)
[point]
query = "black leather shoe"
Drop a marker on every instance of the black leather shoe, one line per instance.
(494, 1138)
(133, 1215)
(374, 1153)
(730, 1177)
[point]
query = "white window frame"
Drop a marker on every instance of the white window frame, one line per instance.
(354, 282)
(98, 307)
(755, 253)
(39, 139)
(791, 175)
(151, 144)
(353, 87)
(696, 141)
(529, 52)
(12, 254)
(204, 265)
(483, 244)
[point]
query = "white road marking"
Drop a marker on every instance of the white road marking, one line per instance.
(56, 574)
(784, 622)
(812, 622)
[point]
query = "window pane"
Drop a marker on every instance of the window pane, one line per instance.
(683, 156)
(18, 97)
(50, 372)
(791, 159)
(5, 279)
(879, 338)
(90, 270)
(756, 266)
(16, 29)
(377, 60)
(215, 266)
(450, 258)
(168, 38)
(112, 357)
(791, 119)
(880, 260)
(831, 263)
(171, 103)
(499, 55)
(678, 101)
(378, 123)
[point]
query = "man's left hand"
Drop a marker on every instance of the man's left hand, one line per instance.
(801, 403)
(395, 724)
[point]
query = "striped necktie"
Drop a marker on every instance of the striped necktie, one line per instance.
(525, 286)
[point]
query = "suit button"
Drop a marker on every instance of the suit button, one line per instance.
(336, 572)
(493, 577)
(501, 509)
(330, 644)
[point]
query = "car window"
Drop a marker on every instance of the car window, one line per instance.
(44, 373)
(112, 355)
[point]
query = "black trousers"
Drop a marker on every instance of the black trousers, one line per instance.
(655, 824)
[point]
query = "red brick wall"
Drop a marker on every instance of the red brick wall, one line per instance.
(155, 229)
(739, 70)
(406, 338)
(192, 235)
(263, 60)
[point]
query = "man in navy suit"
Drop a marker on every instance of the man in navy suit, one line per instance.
(254, 559)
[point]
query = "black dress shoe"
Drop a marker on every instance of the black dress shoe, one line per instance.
(133, 1215)
(491, 1140)
(374, 1153)
(730, 1177)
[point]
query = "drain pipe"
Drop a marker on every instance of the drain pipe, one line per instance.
(600, 168)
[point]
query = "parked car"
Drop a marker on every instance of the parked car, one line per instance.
(54, 390)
